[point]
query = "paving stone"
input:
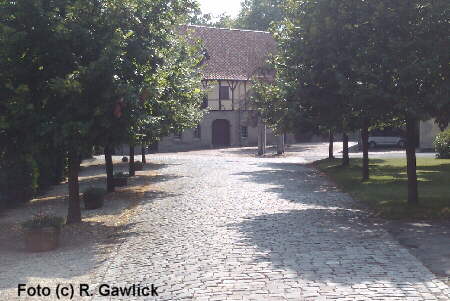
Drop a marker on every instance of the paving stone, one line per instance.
(244, 228)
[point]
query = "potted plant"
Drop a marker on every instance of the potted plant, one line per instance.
(120, 179)
(93, 198)
(42, 232)
(138, 166)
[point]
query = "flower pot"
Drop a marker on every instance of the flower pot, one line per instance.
(120, 181)
(42, 239)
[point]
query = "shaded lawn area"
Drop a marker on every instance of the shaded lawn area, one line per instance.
(386, 191)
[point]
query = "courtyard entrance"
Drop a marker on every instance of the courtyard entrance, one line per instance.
(221, 132)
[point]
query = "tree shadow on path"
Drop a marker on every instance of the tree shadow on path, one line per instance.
(330, 240)
(331, 246)
(297, 182)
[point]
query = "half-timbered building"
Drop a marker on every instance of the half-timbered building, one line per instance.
(233, 57)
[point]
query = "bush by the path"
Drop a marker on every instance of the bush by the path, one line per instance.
(442, 145)
(43, 221)
(19, 175)
(22, 174)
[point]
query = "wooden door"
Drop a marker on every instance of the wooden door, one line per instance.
(221, 132)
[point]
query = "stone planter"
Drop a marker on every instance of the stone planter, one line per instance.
(120, 181)
(93, 198)
(138, 166)
(93, 204)
(42, 239)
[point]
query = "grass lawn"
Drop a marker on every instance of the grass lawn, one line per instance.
(386, 191)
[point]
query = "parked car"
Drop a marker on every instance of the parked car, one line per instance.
(375, 141)
(386, 137)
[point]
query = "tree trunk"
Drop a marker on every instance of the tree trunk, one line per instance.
(413, 193)
(345, 157)
(131, 162)
(109, 169)
(280, 145)
(365, 149)
(331, 144)
(144, 160)
(261, 138)
(74, 212)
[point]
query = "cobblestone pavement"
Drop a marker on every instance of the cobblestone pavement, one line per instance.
(242, 228)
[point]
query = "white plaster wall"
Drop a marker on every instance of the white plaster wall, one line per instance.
(428, 131)
(235, 118)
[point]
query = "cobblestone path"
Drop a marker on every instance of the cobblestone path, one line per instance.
(232, 228)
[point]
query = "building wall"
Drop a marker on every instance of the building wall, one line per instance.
(188, 141)
(428, 131)
(237, 97)
(237, 119)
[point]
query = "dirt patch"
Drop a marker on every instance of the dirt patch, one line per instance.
(84, 246)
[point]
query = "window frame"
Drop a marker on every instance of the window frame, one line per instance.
(244, 129)
(221, 96)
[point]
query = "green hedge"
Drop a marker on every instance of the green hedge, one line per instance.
(442, 145)
(23, 174)
(51, 168)
(19, 175)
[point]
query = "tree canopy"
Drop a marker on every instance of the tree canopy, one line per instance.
(355, 64)
(77, 69)
(259, 14)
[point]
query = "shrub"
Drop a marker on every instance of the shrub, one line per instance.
(138, 165)
(93, 198)
(43, 221)
(442, 145)
(18, 178)
(51, 168)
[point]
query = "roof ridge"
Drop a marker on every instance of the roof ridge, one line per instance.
(231, 29)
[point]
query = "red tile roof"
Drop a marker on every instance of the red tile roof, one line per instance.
(232, 54)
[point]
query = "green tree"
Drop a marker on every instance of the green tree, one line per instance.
(165, 84)
(30, 56)
(92, 60)
(259, 14)
(221, 21)
(412, 39)
(369, 62)
(315, 71)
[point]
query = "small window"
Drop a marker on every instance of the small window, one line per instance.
(198, 132)
(244, 132)
(224, 92)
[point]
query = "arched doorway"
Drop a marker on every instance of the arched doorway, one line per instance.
(221, 132)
